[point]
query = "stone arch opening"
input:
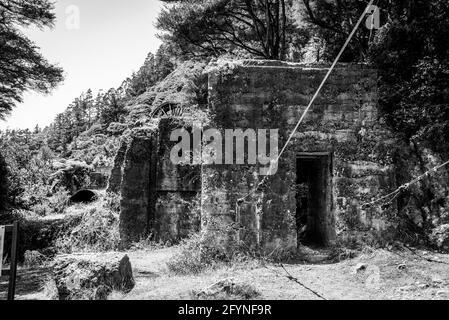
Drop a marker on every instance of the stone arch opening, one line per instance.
(84, 196)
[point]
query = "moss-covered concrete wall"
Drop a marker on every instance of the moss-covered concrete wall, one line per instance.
(157, 197)
(344, 123)
(177, 187)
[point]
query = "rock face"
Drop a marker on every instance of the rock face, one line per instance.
(425, 205)
(87, 279)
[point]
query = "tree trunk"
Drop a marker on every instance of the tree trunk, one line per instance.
(283, 31)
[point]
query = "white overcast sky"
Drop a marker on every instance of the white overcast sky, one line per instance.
(112, 41)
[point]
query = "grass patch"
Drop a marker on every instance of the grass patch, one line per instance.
(200, 253)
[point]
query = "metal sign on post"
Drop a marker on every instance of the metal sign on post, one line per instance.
(12, 271)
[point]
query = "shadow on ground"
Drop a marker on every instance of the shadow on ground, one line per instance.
(29, 281)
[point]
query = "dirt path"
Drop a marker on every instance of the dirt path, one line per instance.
(384, 275)
(381, 275)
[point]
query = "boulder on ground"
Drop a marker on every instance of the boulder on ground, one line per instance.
(84, 278)
(227, 289)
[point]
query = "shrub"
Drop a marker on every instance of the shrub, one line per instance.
(59, 200)
(200, 252)
(193, 258)
(54, 204)
(98, 230)
(149, 244)
(34, 259)
(440, 237)
(117, 128)
(37, 234)
(112, 202)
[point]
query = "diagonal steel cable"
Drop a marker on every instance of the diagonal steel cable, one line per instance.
(315, 96)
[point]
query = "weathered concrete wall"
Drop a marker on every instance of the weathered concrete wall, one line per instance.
(344, 123)
(176, 216)
(177, 187)
(115, 178)
(156, 196)
(137, 186)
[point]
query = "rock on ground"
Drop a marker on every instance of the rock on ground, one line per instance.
(78, 278)
(227, 289)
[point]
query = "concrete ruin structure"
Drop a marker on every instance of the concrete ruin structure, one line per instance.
(338, 161)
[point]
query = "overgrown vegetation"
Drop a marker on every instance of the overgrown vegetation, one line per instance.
(199, 253)
(97, 230)
(41, 168)
(29, 166)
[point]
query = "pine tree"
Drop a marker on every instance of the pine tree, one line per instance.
(22, 67)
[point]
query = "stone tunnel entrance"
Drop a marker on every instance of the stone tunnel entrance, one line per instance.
(314, 199)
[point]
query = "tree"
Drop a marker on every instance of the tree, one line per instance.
(155, 68)
(29, 166)
(88, 106)
(261, 28)
(410, 51)
(59, 133)
(98, 105)
(114, 110)
(22, 67)
(412, 55)
(4, 185)
(144, 78)
(333, 21)
(163, 61)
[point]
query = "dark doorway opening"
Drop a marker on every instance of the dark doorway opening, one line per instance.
(314, 199)
(84, 196)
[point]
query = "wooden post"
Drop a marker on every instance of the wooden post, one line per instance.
(13, 268)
